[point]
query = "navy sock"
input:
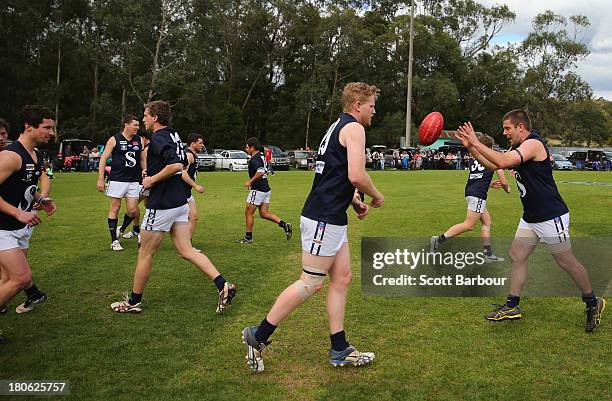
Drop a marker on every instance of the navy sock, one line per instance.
(264, 331)
(33, 293)
(338, 341)
(590, 300)
(135, 298)
(248, 235)
(136, 228)
(487, 250)
(512, 301)
(126, 222)
(112, 227)
(219, 282)
(282, 224)
(441, 239)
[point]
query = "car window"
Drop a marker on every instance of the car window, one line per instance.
(559, 157)
(302, 155)
(238, 155)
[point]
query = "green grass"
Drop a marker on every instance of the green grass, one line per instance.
(179, 349)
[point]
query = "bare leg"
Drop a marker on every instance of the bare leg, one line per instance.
(568, 262)
(485, 228)
(182, 243)
(337, 291)
(193, 218)
(519, 254)
(148, 247)
(468, 224)
(17, 274)
(291, 297)
(265, 214)
(249, 212)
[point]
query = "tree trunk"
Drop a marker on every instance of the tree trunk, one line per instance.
(123, 101)
(94, 103)
(333, 97)
(160, 40)
(57, 86)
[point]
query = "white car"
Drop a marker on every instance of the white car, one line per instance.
(233, 160)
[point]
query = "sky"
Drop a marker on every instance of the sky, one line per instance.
(596, 69)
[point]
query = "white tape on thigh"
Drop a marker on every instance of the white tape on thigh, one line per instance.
(310, 282)
(528, 236)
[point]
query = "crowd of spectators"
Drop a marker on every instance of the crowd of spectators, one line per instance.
(420, 160)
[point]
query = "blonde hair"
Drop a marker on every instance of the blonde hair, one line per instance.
(357, 92)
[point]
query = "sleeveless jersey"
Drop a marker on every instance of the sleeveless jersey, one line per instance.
(125, 166)
(19, 188)
(537, 188)
(192, 171)
(331, 192)
(479, 179)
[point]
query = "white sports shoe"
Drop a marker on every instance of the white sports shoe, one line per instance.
(116, 246)
(129, 234)
(493, 258)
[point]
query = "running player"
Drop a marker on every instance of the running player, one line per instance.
(476, 189)
(126, 173)
(167, 211)
(545, 214)
(340, 168)
(21, 167)
(195, 144)
(259, 194)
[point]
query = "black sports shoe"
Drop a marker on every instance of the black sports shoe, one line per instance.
(504, 312)
(244, 241)
(288, 230)
(3, 309)
(593, 315)
(4, 340)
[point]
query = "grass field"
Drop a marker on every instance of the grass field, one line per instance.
(179, 349)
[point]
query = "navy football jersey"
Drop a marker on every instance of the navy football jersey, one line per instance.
(166, 148)
(537, 188)
(125, 165)
(19, 188)
(332, 192)
(479, 179)
(192, 172)
(257, 163)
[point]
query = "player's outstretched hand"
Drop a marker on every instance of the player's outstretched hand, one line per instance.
(29, 218)
(100, 185)
(467, 131)
(247, 184)
(45, 204)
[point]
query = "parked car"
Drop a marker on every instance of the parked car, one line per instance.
(560, 162)
(234, 160)
(372, 149)
(584, 159)
(70, 161)
(206, 161)
(280, 160)
(299, 158)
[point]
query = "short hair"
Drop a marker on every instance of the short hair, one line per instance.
(193, 137)
(128, 118)
(161, 109)
(486, 140)
(357, 91)
(518, 116)
(254, 143)
(5, 125)
(33, 115)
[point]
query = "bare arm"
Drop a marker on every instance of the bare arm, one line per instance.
(352, 136)
(187, 179)
(108, 150)
(164, 174)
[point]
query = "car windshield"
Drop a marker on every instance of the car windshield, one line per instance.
(559, 157)
(276, 151)
(238, 155)
(301, 154)
(608, 155)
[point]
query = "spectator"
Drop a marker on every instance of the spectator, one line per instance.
(94, 159)
(85, 159)
(268, 153)
(375, 160)
(405, 160)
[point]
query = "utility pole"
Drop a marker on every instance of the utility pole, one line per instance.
(409, 90)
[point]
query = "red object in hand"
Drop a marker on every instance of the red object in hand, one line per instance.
(431, 128)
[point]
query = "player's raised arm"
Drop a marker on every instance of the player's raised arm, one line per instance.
(354, 139)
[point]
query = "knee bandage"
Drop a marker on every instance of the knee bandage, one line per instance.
(485, 228)
(310, 282)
